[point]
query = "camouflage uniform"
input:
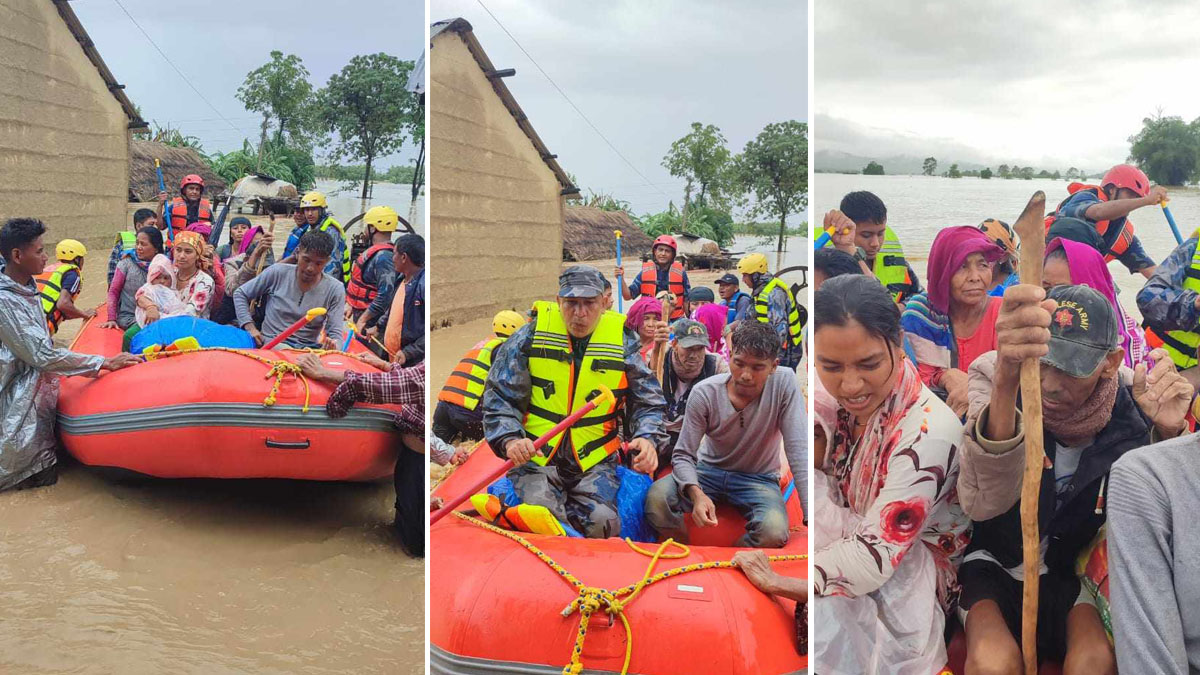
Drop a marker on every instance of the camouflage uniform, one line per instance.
(1165, 304)
(777, 316)
(586, 500)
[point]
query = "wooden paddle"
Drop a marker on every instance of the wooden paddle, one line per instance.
(1032, 230)
(660, 354)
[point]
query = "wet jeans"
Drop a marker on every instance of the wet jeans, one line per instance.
(756, 496)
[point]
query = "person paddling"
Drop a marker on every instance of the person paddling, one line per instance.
(189, 207)
(661, 273)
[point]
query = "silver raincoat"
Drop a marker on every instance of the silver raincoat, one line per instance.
(30, 366)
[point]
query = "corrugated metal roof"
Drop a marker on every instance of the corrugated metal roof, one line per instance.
(89, 48)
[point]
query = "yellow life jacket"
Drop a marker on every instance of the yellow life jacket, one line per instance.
(795, 328)
(465, 385)
(556, 392)
(49, 284)
(1181, 344)
(346, 262)
(890, 266)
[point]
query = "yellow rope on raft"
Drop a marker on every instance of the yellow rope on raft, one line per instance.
(279, 368)
(593, 598)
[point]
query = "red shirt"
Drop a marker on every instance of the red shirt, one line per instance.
(983, 340)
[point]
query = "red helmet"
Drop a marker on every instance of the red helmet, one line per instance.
(1126, 176)
(666, 240)
(191, 179)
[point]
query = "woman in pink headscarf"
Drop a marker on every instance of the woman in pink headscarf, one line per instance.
(954, 320)
(1075, 264)
(713, 317)
(645, 318)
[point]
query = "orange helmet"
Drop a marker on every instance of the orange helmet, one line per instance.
(666, 240)
(191, 179)
(1126, 176)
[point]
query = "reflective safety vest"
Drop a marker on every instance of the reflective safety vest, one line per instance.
(324, 227)
(49, 285)
(890, 266)
(559, 391)
(360, 294)
(1117, 242)
(1181, 344)
(464, 387)
(795, 326)
(178, 218)
(127, 240)
(733, 303)
(674, 284)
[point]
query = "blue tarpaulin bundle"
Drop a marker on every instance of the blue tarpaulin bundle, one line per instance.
(631, 498)
(207, 333)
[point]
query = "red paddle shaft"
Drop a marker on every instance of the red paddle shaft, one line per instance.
(605, 396)
(301, 323)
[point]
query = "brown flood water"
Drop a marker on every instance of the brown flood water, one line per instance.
(99, 575)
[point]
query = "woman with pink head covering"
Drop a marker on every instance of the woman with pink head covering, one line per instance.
(954, 320)
(713, 317)
(645, 318)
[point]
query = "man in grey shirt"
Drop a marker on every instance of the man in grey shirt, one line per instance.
(1153, 499)
(290, 291)
(728, 449)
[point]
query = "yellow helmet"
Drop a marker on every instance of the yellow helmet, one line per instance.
(313, 200)
(755, 263)
(505, 323)
(69, 249)
(382, 218)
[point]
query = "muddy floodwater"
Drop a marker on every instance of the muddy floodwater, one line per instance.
(103, 575)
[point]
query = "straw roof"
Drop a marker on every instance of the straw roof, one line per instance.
(176, 163)
(588, 235)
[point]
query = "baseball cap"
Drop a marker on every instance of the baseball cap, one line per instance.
(701, 293)
(1083, 330)
(580, 281)
(729, 279)
(690, 333)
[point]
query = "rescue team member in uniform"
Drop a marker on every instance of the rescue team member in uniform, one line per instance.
(30, 363)
(774, 304)
(1170, 307)
(732, 296)
(457, 415)
(127, 239)
(190, 207)
(1123, 190)
(874, 245)
(373, 275)
(662, 273)
(315, 209)
(59, 284)
(549, 369)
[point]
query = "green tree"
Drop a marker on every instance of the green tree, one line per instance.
(1072, 173)
(1044, 174)
(279, 89)
(701, 159)
(986, 173)
(930, 166)
(873, 169)
(774, 169)
(1003, 171)
(1167, 149)
(371, 110)
(954, 172)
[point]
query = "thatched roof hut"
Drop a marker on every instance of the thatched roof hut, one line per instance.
(176, 163)
(588, 235)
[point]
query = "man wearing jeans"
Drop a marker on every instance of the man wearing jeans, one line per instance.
(728, 450)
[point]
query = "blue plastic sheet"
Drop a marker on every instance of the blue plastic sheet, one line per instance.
(207, 333)
(631, 500)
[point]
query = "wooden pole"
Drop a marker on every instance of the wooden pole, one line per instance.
(262, 259)
(1032, 230)
(660, 356)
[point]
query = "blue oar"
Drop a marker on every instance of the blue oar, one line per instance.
(1171, 221)
(162, 187)
(823, 239)
(620, 282)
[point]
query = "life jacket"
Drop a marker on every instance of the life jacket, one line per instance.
(1180, 344)
(559, 391)
(733, 303)
(1118, 242)
(346, 263)
(464, 387)
(674, 284)
(127, 240)
(890, 266)
(177, 215)
(49, 285)
(360, 294)
(795, 325)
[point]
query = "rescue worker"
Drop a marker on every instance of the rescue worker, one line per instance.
(127, 239)
(1107, 206)
(661, 273)
(1170, 307)
(874, 245)
(774, 304)
(732, 296)
(402, 326)
(30, 363)
(373, 275)
(59, 284)
(189, 207)
(457, 415)
(315, 210)
(549, 369)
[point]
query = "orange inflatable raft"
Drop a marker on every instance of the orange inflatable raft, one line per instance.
(203, 415)
(500, 607)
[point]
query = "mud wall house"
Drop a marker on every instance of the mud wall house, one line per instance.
(496, 228)
(65, 127)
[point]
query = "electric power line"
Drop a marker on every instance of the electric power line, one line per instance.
(568, 99)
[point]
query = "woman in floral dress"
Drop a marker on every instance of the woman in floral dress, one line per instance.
(194, 285)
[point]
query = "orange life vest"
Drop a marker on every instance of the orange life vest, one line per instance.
(465, 385)
(50, 289)
(360, 294)
(1124, 238)
(178, 218)
(674, 284)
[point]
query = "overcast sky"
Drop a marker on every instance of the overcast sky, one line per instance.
(643, 72)
(215, 43)
(1050, 84)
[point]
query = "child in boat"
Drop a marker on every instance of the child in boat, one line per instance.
(157, 298)
(885, 569)
(1094, 411)
(728, 449)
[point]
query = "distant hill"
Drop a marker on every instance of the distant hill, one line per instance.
(836, 161)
